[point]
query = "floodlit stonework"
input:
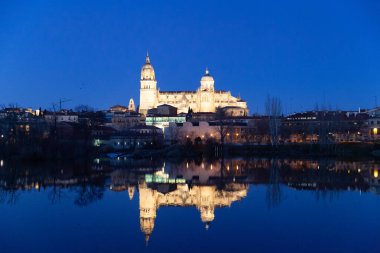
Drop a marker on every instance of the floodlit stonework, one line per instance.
(204, 99)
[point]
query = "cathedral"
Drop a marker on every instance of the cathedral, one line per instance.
(204, 99)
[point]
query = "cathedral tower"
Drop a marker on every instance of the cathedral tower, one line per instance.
(207, 92)
(148, 87)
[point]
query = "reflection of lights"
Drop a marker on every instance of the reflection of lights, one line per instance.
(375, 173)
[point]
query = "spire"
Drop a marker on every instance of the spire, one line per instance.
(147, 60)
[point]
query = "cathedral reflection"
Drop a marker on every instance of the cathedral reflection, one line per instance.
(159, 189)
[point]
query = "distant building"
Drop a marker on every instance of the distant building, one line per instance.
(121, 117)
(235, 111)
(134, 137)
(163, 115)
(204, 99)
(131, 105)
(235, 131)
(374, 124)
(122, 121)
(61, 116)
(324, 126)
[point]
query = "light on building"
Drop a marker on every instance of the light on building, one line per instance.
(187, 165)
(228, 134)
(1, 163)
(37, 186)
(211, 166)
(228, 167)
(237, 167)
(2, 136)
(375, 173)
(375, 131)
(203, 136)
(187, 136)
(203, 165)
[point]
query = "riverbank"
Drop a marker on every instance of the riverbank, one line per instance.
(347, 151)
(73, 150)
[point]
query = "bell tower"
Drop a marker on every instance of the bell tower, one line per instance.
(207, 93)
(148, 87)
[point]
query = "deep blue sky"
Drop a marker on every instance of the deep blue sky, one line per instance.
(305, 52)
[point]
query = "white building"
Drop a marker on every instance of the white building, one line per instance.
(204, 99)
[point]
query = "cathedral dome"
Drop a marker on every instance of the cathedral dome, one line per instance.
(147, 71)
(207, 77)
(207, 82)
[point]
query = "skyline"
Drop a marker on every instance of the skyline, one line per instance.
(93, 52)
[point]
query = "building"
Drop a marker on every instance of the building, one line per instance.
(374, 124)
(204, 99)
(163, 115)
(121, 117)
(134, 137)
(122, 121)
(234, 131)
(324, 126)
(61, 116)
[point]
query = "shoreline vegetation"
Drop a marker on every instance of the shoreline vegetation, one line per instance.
(77, 149)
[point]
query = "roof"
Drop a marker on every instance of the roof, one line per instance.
(166, 105)
(145, 127)
(175, 92)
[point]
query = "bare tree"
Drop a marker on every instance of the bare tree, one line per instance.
(273, 109)
(84, 108)
(224, 126)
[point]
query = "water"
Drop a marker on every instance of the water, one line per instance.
(258, 205)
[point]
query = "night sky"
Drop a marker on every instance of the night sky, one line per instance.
(305, 52)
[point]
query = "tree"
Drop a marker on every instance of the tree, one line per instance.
(224, 126)
(83, 108)
(273, 109)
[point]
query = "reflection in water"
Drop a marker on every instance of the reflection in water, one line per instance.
(203, 185)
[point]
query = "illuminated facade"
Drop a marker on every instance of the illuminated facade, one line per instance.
(204, 99)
